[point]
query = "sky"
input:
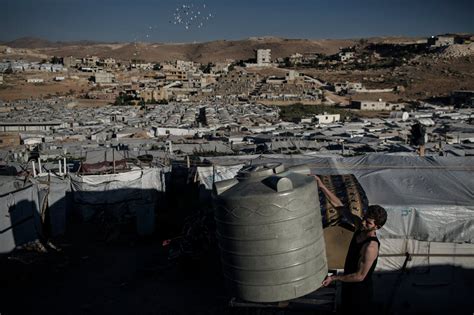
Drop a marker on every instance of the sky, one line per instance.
(166, 20)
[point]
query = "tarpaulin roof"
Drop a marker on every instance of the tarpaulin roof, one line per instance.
(427, 198)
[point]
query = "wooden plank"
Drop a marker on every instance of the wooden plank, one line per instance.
(321, 299)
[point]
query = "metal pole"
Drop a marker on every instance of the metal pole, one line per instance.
(113, 158)
(34, 168)
(39, 166)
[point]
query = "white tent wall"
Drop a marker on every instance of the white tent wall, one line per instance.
(56, 189)
(393, 254)
(210, 174)
(133, 192)
(58, 203)
(20, 220)
(429, 201)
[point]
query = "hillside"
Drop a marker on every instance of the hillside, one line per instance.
(199, 52)
(422, 76)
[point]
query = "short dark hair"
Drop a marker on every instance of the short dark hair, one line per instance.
(378, 214)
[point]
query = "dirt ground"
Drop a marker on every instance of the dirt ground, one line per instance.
(423, 78)
(130, 276)
(15, 87)
(125, 275)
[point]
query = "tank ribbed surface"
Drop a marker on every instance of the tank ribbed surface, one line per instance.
(271, 242)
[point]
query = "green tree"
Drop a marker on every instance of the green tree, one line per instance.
(56, 60)
(287, 62)
(206, 68)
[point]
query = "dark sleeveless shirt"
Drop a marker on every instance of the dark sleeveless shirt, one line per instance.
(353, 256)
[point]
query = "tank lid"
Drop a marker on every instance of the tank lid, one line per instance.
(253, 171)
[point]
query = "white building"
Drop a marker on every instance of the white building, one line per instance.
(104, 77)
(347, 86)
(327, 118)
(377, 105)
(142, 66)
(34, 80)
(108, 62)
(264, 57)
(185, 65)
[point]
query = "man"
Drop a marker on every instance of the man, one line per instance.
(361, 257)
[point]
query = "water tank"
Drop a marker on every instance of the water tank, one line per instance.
(270, 233)
(399, 116)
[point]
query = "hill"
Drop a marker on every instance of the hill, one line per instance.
(199, 52)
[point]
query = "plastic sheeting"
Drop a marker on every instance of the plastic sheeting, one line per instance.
(134, 192)
(123, 187)
(210, 174)
(20, 221)
(58, 202)
(427, 199)
(393, 254)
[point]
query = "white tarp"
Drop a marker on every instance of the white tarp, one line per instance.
(56, 188)
(210, 174)
(122, 187)
(20, 221)
(58, 203)
(429, 201)
(134, 192)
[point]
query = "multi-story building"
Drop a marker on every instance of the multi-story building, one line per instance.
(264, 57)
(108, 63)
(346, 86)
(185, 65)
(104, 78)
(376, 105)
(90, 61)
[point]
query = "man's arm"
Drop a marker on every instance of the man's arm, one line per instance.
(332, 198)
(368, 257)
(337, 203)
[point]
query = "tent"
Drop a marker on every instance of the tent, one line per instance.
(130, 193)
(429, 201)
(20, 213)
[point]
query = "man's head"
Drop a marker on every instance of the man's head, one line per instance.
(375, 218)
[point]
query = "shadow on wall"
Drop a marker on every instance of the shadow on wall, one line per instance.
(112, 209)
(20, 223)
(439, 289)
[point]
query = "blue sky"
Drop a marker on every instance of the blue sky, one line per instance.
(153, 20)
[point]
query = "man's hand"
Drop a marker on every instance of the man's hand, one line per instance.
(332, 198)
(318, 180)
(328, 281)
